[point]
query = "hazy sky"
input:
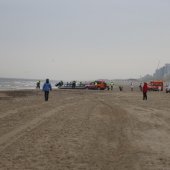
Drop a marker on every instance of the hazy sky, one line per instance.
(83, 39)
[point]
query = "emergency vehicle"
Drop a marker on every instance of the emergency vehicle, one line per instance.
(156, 85)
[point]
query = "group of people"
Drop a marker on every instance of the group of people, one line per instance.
(110, 86)
(143, 89)
(47, 88)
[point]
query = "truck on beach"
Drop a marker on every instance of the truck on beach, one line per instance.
(97, 85)
(156, 85)
(167, 89)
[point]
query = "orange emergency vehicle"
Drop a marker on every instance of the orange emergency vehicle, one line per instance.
(97, 85)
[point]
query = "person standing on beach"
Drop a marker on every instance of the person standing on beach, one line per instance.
(73, 84)
(38, 84)
(47, 88)
(131, 86)
(145, 89)
(121, 88)
(111, 85)
(140, 87)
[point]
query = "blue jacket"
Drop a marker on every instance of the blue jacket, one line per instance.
(47, 87)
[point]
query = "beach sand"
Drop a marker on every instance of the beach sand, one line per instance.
(84, 130)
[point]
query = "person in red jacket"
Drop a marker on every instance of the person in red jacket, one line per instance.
(145, 89)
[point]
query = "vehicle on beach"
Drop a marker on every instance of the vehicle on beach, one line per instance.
(72, 85)
(97, 85)
(155, 85)
(167, 89)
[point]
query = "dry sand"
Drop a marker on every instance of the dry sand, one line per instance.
(84, 130)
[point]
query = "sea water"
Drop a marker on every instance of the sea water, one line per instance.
(17, 84)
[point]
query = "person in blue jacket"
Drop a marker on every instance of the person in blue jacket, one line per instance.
(47, 88)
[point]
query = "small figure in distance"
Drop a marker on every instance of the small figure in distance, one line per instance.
(121, 88)
(61, 83)
(81, 84)
(111, 85)
(73, 84)
(145, 89)
(108, 86)
(140, 87)
(38, 85)
(47, 88)
(131, 86)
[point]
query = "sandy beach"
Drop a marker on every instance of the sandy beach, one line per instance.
(84, 130)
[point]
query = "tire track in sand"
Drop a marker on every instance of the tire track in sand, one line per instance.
(7, 139)
(125, 154)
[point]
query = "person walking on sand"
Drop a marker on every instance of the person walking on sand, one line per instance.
(145, 89)
(47, 88)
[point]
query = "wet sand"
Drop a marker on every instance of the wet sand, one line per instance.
(84, 130)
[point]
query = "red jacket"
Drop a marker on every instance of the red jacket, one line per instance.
(145, 87)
